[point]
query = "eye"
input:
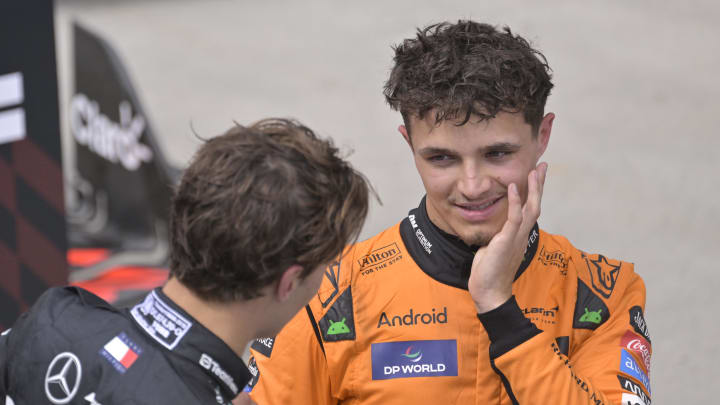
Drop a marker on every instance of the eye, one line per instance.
(498, 154)
(440, 159)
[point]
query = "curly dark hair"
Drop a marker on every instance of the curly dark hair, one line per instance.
(465, 69)
(257, 200)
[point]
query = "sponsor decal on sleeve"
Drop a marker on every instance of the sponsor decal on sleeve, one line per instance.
(339, 322)
(590, 310)
(254, 372)
(629, 385)
(379, 259)
(418, 358)
(631, 399)
(160, 321)
(208, 363)
(639, 346)
(637, 320)
(603, 273)
(554, 258)
(263, 346)
(121, 352)
(629, 366)
(542, 315)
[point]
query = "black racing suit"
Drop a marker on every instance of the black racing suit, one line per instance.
(72, 347)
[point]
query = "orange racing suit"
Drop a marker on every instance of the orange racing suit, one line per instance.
(393, 322)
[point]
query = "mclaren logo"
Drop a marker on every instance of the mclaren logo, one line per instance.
(62, 378)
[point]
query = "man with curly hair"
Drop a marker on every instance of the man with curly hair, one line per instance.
(466, 300)
(258, 215)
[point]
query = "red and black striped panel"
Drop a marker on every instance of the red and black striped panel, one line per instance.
(32, 221)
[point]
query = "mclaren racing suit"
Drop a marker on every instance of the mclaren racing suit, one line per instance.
(393, 323)
(74, 348)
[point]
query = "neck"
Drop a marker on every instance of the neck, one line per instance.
(234, 323)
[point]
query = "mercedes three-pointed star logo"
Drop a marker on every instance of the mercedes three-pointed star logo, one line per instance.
(57, 388)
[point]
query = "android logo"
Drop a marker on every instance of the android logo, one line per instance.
(337, 328)
(591, 316)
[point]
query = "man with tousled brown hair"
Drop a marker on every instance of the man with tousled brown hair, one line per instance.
(258, 215)
(466, 300)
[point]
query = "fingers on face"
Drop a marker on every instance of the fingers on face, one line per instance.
(515, 214)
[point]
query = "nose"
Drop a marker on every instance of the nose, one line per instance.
(473, 183)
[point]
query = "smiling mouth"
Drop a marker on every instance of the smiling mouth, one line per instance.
(479, 207)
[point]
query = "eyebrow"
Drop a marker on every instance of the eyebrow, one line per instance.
(432, 150)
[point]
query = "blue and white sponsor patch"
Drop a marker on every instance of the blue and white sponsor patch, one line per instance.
(629, 366)
(121, 352)
(416, 358)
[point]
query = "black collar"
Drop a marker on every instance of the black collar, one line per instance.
(445, 257)
(203, 353)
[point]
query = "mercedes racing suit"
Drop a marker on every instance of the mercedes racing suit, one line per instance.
(393, 322)
(74, 348)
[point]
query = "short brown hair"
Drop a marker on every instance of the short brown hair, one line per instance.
(257, 200)
(465, 69)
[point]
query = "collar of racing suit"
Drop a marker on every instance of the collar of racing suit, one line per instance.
(193, 348)
(444, 257)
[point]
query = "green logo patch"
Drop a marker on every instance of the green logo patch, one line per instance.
(592, 317)
(339, 321)
(337, 328)
(584, 317)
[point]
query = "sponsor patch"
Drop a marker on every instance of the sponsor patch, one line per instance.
(629, 385)
(62, 379)
(339, 322)
(554, 258)
(541, 315)
(379, 259)
(418, 358)
(631, 399)
(639, 346)
(263, 346)
(209, 364)
(629, 366)
(118, 142)
(121, 352)
(590, 310)
(254, 372)
(637, 320)
(603, 273)
(413, 317)
(160, 321)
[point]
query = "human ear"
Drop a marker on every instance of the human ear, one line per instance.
(406, 135)
(289, 280)
(544, 133)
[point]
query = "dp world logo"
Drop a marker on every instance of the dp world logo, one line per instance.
(414, 357)
(419, 358)
(62, 378)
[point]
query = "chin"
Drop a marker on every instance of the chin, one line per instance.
(479, 235)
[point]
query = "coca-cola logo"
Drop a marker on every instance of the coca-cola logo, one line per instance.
(638, 345)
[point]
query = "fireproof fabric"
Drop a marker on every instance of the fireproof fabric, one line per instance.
(393, 322)
(72, 347)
